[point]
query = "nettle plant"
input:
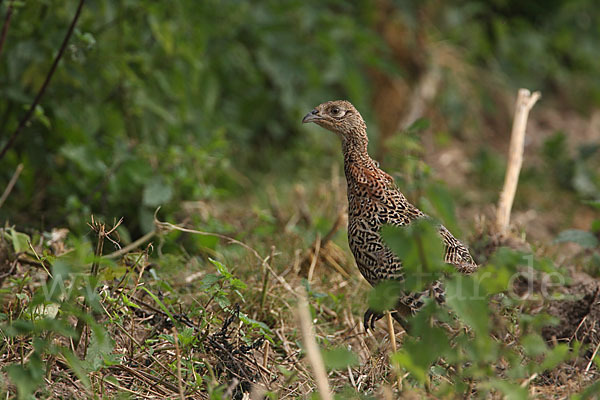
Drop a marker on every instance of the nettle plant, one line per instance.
(482, 338)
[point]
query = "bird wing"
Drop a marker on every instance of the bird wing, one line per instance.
(457, 254)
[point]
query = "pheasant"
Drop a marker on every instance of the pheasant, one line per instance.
(374, 201)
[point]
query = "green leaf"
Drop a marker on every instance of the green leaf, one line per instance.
(20, 241)
(419, 125)
(419, 246)
(339, 358)
(469, 301)
(187, 336)
(27, 378)
(254, 323)
(77, 366)
(156, 193)
(161, 305)
(417, 355)
(555, 356)
(534, 345)
(384, 295)
(583, 238)
(99, 351)
(439, 200)
(128, 302)
(511, 390)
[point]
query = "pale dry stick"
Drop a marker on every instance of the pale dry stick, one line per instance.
(351, 376)
(525, 101)
(592, 359)
(392, 333)
(266, 354)
(11, 184)
(119, 387)
(339, 269)
(315, 257)
(528, 380)
(312, 349)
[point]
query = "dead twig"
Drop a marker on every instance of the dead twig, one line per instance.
(11, 184)
(315, 257)
(525, 101)
(132, 245)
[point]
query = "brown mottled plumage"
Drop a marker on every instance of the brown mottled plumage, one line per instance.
(373, 201)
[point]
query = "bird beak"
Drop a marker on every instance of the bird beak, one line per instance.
(311, 116)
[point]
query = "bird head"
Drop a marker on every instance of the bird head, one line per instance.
(338, 116)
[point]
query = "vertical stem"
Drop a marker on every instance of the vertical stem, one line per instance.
(392, 333)
(525, 101)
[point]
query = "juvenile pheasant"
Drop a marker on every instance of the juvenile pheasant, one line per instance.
(374, 201)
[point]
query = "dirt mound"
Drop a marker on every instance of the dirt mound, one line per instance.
(578, 310)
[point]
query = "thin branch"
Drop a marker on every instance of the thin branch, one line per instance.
(525, 101)
(38, 97)
(6, 25)
(315, 257)
(11, 184)
(132, 245)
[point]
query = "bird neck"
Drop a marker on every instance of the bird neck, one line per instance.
(354, 147)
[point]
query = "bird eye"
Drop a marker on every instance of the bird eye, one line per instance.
(335, 110)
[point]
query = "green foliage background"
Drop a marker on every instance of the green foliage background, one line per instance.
(168, 103)
(158, 102)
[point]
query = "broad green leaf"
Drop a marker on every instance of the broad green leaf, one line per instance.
(339, 358)
(469, 301)
(20, 241)
(419, 246)
(533, 345)
(511, 390)
(99, 350)
(583, 238)
(385, 295)
(156, 193)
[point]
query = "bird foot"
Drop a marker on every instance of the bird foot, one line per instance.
(371, 317)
